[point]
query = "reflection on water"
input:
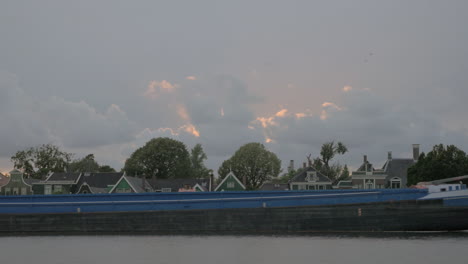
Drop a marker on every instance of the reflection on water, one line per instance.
(362, 248)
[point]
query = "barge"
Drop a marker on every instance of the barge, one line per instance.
(441, 207)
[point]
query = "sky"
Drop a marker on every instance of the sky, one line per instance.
(106, 76)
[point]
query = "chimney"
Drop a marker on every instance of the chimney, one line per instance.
(365, 158)
(389, 155)
(304, 165)
(415, 152)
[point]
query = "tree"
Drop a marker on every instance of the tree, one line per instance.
(253, 163)
(440, 163)
(163, 158)
(197, 158)
(106, 168)
(36, 162)
(328, 151)
(88, 164)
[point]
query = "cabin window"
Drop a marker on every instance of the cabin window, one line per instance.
(443, 189)
(230, 184)
(457, 187)
(450, 188)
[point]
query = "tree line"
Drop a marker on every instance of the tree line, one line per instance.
(252, 163)
(166, 158)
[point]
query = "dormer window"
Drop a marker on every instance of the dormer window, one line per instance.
(311, 176)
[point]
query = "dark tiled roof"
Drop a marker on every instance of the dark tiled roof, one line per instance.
(64, 176)
(397, 167)
(274, 187)
(31, 181)
(138, 184)
(363, 167)
(301, 177)
(176, 184)
(100, 179)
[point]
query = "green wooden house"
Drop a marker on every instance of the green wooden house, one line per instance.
(128, 184)
(57, 183)
(230, 183)
(17, 185)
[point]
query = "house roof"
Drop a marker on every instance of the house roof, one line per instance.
(274, 187)
(137, 184)
(176, 184)
(301, 176)
(31, 181)
(230, 174)
(363, 167)
(63, 176)
(100, 179)
(397, 167)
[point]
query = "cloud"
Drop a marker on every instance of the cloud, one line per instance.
(28, 122)
(347, 88)
(192, 78)
(155, 88)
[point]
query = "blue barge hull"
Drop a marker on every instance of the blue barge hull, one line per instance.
(233, 212)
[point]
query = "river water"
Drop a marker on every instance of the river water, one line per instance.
(437, 248)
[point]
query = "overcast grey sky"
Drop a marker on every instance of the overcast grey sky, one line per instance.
(104, 77)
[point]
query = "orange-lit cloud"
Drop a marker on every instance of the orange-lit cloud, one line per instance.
(222, 111)
(281, 113)
(192, 78)
(155, 88)
(190, 128)
(182, 112)
(331, 105)
(347, 88)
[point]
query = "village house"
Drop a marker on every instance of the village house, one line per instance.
(128, 184)
(57, 183)
(93, 183)
(16, 184)
(310, 179)
(181, 185)
(230, 183)
(268, 186)
(392, 175)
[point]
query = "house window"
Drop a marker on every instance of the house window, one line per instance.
(230, 184)
(47, 189)
(311, 176)
(166, 190)
(395, 183)
(15, 191)
(24, 191)
(58, 189)
(7, 191)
